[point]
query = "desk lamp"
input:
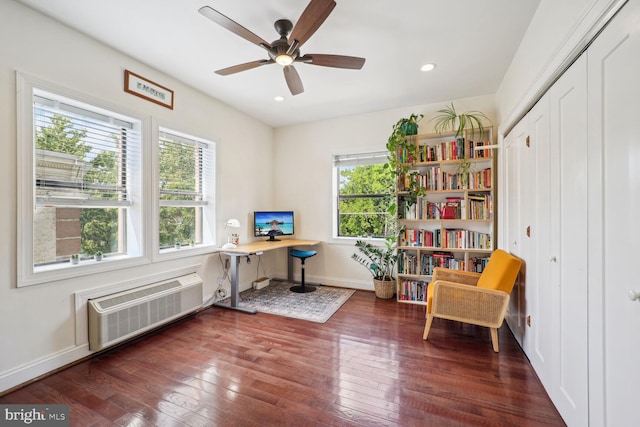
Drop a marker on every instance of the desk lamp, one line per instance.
(233, 223)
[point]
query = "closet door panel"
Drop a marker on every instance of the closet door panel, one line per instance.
(514, 146)
(568, 258)
(614, 108)
(539, 339)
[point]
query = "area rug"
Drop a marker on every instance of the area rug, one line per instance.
(277, 299)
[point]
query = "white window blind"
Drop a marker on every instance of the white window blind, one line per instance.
(184, 164)
(82, 154)
(360, 159)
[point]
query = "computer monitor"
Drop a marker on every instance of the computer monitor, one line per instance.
(272, 223)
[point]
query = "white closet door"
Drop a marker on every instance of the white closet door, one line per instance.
(514, 144)
(614, 151)
(540, 334)
(568, 258)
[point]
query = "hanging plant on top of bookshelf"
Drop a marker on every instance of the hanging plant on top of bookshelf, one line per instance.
(449, 120)
(403, 154)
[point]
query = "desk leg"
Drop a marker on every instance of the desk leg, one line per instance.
(290, 261)
(235, 288)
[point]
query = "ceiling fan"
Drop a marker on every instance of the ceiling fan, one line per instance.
(286, 50)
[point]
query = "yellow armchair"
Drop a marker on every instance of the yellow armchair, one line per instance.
(478, 299)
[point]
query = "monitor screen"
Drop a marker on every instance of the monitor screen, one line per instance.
(272, 223)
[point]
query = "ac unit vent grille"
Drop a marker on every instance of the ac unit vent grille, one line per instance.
(115, 318)
(121, 299)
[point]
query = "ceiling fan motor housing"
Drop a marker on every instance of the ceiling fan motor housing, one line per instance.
(283, 27)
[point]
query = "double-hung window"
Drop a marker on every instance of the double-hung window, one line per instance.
(82, 163)
(80, 185)
(186, 190)
(363, 194)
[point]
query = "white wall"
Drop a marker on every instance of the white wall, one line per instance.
(37, 323)
(558, 29)
(303, 177)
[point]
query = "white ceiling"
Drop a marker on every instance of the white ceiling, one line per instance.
(471, 41)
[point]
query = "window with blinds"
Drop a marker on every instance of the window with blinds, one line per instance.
(185, 165)
(83, 161)
(82, 156)
(364, 193)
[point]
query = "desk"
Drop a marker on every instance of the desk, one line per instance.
(257, 248)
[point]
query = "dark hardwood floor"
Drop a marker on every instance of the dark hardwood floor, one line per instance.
(367, 366)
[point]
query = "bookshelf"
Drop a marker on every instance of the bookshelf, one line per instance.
(451, 223)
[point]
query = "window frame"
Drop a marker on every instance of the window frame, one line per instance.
(362, 157)
(209, 214)
(27, 273)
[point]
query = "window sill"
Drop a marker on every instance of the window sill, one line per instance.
(352, 240)
(185, 251)
(66, 270)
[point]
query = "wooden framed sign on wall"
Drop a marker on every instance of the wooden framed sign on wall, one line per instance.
(144, 88)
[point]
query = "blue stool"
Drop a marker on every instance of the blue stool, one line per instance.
(302, 255)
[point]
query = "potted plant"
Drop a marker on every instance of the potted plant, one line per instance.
(449, 119)
(403, 153)
(98, 256)
(75, 259)
(401, 150)
(380, 262)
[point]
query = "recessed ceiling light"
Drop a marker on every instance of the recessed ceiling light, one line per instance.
(279, 98)
(428, 67)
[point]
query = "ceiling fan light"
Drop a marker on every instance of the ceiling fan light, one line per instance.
(284, 59)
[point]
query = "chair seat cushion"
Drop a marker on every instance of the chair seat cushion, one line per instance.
(302, 254)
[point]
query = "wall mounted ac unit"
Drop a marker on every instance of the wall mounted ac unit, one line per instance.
(117, 317)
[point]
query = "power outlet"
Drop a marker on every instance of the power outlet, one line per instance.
(262, 282)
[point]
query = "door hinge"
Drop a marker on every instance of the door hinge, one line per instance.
(528, 231)
(527, 142)
(529, 320)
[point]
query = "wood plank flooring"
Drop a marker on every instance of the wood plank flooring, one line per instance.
(367, 366)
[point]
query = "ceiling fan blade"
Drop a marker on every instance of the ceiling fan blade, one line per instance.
(293, 80)
(244, 67)
(232, 26)
(336, 61)
(313, 16)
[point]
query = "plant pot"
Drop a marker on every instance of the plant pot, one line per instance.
(410, 128)
(385, 289)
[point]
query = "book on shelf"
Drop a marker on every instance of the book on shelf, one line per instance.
(420, 238)
(454, 149)
(458, 238)
(412, 290)
(407, 263)
(480, 206)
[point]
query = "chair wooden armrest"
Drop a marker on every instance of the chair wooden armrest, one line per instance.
(464, 277)
(469, 304)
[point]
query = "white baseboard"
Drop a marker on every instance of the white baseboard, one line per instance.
(333, 281)
(30, 371)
